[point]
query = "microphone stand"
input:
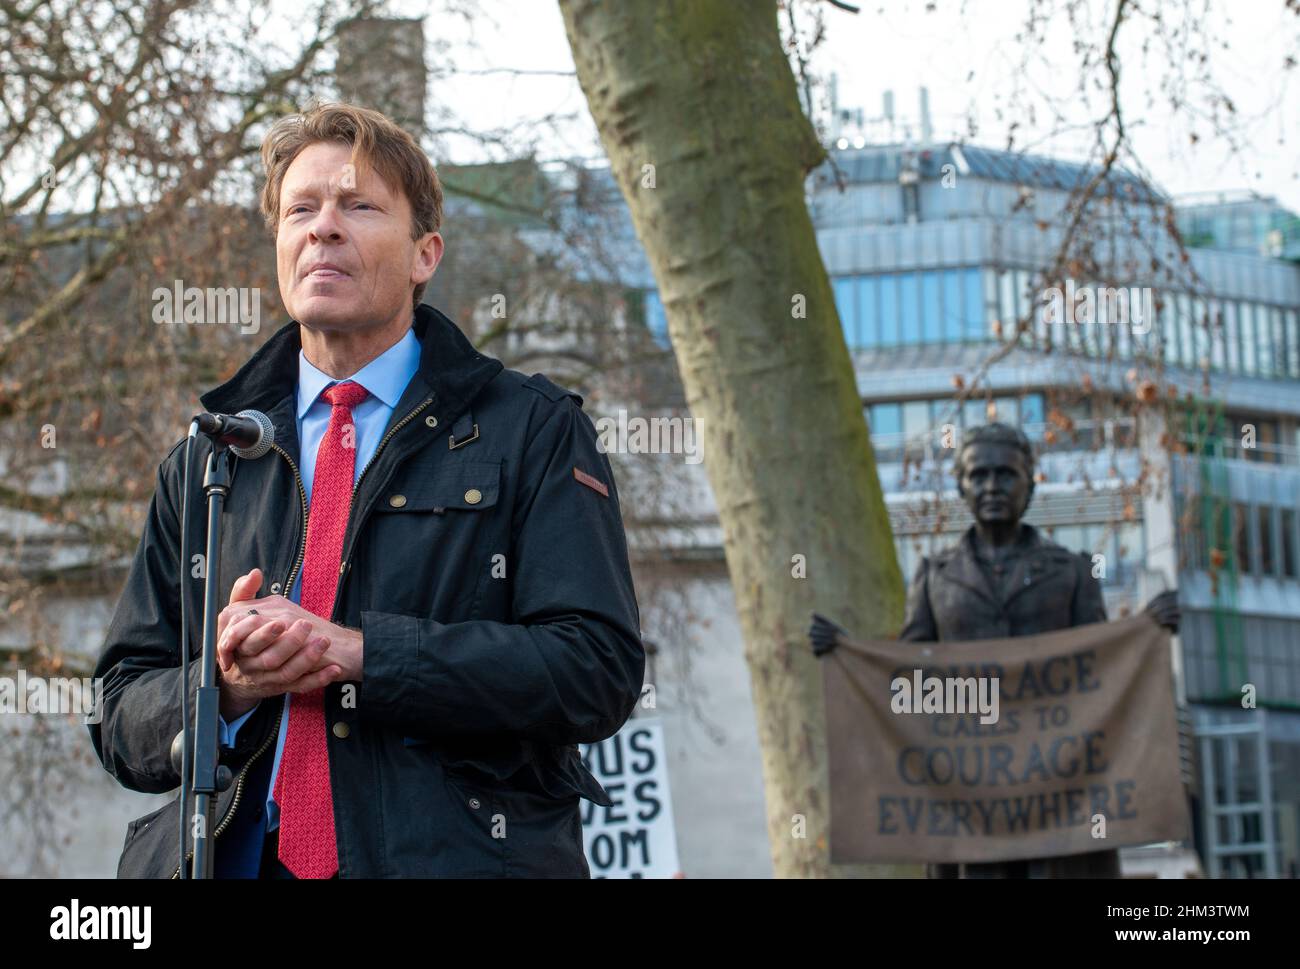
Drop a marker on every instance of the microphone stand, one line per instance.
(210, 777)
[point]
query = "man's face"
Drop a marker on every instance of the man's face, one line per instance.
(995, 483)
(332, 213)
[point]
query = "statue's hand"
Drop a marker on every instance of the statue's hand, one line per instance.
(825, 635)
(1164, 610)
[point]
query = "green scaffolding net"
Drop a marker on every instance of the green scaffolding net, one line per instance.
(1218, 547)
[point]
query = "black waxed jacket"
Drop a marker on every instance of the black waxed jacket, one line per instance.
(488, 573)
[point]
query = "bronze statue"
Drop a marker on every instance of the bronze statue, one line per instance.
(1004, 578)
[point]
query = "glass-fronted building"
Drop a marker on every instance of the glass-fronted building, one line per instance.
(939, 255)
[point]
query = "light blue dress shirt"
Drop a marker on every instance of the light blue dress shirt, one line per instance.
(385, 378)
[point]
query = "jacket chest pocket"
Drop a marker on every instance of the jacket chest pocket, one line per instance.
(431, 541)
(467, 486)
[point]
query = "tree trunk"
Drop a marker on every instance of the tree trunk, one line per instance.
(697, 109)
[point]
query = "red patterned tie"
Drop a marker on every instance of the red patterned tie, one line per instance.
(302, 787)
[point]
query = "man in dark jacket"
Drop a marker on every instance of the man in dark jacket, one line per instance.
(1004, 579)
(429, 598)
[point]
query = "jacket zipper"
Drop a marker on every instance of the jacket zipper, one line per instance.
(239, 788)
(302, 498)
(387, 437)
(302, 492)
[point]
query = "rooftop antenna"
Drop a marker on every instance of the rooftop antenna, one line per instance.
(927, 131)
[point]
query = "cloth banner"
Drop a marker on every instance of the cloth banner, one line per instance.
(1075, 750)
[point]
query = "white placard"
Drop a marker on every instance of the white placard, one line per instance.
(634, 837)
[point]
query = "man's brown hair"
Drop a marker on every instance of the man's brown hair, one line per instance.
(377, 143)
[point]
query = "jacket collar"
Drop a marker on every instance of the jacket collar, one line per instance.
(451, 370)
(962, 566)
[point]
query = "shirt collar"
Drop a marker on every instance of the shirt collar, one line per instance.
(385, 377)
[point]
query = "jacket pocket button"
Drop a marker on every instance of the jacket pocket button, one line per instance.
(473, 496)
(397, 501)
(275, 588)
(473, 802)
(341, 730)
(431, 421)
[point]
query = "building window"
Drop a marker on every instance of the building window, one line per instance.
(1031, 416)
(976, 311)
(1246, 317)
(1288, 543)
(1291, 322)
(1130, 539)
(1008, 410)
(1022, 294)
(1187, 348)
(910, 306)
(954, 317)
(1232, 337)
(1203, 327)
(1007, 301)
(1279, 342)
(886, 419)
(1241, 537)
(1264, 514)
(1217, 336)
(1042, 332)
(916, 419)
(991, 312)
(932, 328)
(1263, 341)
(1121, 335)
(1169, 330)
(889, 310)
(869, 308)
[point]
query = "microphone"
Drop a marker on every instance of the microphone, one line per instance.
(249, 434)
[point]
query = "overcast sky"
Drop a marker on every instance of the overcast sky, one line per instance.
(967, 57)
